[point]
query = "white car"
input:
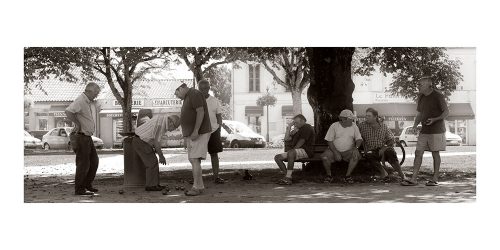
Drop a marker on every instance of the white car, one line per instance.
(409, 137)
(238, 135)
(58, 138)
(30, 141)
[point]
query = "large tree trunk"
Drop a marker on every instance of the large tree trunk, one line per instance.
(331, 86)
(198, 75)
(127, 110)
(297, 102)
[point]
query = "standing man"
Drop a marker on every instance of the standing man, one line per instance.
(146, 142)
(431, 112)
(215, 115)
(301, 139)
(379, 141)
(344, 140)
(196, 129)
(81, 113)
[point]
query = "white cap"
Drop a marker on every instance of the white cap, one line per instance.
(348, 114)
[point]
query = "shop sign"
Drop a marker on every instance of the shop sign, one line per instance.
(388, 98)
(167, 102)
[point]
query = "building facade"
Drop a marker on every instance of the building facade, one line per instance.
(249, 81)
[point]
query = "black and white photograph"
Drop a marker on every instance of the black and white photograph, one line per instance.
(249, 125)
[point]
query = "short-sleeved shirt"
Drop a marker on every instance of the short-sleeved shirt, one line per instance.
(82, 108)
(153, 129)
(214, 108)
(432, 106)
(306, 132)
(343, 138)
(193, 100)
(375, 137)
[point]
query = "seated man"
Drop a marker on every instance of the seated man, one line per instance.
(302, 139)
(379, 141)
(343, 139)
(147, 141)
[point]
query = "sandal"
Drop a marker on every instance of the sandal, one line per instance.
(349, 180)
(193, 192)
(407, 182)
(219, 180)
(432, 183)
(328, 179)
(285, 181)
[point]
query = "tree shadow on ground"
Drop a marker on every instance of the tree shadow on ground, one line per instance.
(456, 186)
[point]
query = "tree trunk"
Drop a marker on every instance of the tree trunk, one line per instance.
(127, 109)
(198, 75)
(331, 86)
(297, 102)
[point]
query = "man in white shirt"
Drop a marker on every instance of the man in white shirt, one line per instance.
(215, 114)
(81, 112)
(343, 139)
(147, 141)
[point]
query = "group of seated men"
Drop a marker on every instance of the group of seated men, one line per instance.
(344, 140)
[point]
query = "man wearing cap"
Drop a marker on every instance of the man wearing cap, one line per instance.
(81, 112)
(196, 129)
(146, 142)
(432, 109)
(343, 139)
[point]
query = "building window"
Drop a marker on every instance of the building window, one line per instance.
(254, 123)
(43, 124)
(254, 77)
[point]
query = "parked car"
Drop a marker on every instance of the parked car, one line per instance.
(58, 138)
(239, 135)
(409, 137)
(30, 141)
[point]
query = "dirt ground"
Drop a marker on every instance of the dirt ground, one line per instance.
(455, 187)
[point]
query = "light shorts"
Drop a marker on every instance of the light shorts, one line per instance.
(300, 153)
(431, 142)
(198, 149)
(346, 155)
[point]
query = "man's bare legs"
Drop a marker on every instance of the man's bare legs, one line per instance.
(437, 163)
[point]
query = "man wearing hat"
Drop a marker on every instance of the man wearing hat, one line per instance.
(343, 139)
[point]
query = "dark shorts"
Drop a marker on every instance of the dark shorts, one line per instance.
(215, 143)
(390, 155)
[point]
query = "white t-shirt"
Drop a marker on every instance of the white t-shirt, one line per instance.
(214, 108)
(343, 138)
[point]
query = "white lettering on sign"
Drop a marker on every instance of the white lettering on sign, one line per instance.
(387, 97)
(135, 103)
(167, 102)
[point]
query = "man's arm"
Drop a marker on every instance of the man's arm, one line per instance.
(299, 143)
(72, 117)
(418, 119)
(219, 119)
(288, 137)
(443, 115)
(200, 113)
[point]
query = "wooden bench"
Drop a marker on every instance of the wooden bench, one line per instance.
(320, 148)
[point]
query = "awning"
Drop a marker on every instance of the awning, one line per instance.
(254, 111)
(287, 110)
(115, 112)
(408, 111)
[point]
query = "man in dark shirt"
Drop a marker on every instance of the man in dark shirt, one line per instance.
(431, 111)
(196, 130)
(302, 139)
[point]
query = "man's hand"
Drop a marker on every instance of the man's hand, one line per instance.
(336, 155)
(162, 160)
(356, 154)
(185, 142)
(194, 136)
(77, 128)
(430, 121)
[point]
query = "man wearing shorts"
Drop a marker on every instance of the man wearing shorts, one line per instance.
(431, 112)
(215, 114)
(196, 129)
(343, 139)
(302, 139)
(379, 141)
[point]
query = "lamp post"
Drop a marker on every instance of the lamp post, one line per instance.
(267, 100)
